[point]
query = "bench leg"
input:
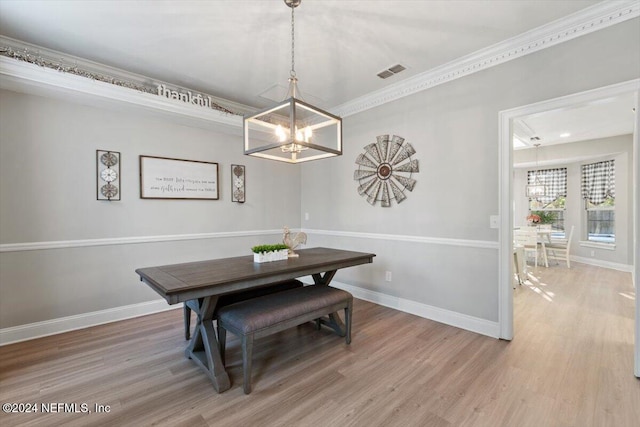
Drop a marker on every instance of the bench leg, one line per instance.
(247, 356)
(222, 343)
(187, 321)
(347, 320)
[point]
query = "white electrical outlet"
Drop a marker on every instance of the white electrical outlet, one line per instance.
(306, 216)
(387, 276)
(494, 221)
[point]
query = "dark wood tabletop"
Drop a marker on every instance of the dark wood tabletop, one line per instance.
(182, 282)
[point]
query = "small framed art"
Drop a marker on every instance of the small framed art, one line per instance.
(108, 175)
(238, 176)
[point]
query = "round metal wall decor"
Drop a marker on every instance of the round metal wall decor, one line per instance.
(385, 170)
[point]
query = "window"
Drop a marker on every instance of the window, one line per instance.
(598, 192)
(550, 207)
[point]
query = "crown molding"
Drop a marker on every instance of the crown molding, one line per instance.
(589, 20)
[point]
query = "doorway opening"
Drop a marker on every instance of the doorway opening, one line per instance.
(508, 120)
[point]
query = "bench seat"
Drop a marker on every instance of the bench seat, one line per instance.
(235, 297)
(266, 315)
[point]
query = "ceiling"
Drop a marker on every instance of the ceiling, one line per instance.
(601, 119)
(241, 49)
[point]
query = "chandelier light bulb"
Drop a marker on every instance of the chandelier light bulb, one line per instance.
(280, 133)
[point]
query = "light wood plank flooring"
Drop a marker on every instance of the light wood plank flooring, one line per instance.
(571, 364)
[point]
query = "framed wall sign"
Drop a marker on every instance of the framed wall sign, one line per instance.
(238, 176)
(108, 175)
(166, 178)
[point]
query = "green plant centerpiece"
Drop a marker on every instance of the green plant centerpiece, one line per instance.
(268, 253)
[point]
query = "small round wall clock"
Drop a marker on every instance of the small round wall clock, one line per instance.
(108, 171)
(385, 170)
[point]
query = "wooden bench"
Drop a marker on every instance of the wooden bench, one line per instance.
(233, 298)
(266, 315)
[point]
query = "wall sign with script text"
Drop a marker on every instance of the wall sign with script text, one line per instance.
(166, 178)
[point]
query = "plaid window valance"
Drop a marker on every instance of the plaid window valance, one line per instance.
(554, 180)
(599, 181)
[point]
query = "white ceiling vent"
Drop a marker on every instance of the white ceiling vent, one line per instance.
(391, 71)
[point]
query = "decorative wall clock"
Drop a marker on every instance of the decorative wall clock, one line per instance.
(238, 183)
(385, 170)
(108, 175)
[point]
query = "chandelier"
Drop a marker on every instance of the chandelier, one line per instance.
(537, 189)
(292, 131)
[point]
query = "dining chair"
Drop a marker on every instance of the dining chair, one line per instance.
(527, 238)
(519, 265)
(543, 234)
(559, 249)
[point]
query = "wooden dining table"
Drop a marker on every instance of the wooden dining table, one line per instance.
(206, 281)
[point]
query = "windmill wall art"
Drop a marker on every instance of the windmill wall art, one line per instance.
(385, 170)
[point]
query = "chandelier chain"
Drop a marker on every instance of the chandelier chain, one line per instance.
(293, 61)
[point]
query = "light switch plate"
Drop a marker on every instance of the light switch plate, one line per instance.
(494, 221)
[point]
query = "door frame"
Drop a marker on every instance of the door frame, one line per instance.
(505, 264)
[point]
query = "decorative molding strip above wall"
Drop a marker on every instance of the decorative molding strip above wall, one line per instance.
(62, 244)
(69, 64)
(483, 244)
(597, 17)
(30, 78)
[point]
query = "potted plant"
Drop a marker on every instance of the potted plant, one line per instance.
(268, 253)
(543, 217)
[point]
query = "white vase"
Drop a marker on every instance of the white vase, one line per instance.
(271, 256)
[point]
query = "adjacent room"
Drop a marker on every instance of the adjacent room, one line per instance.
(319, 213)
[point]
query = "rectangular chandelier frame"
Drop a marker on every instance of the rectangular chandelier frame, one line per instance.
(260, 130)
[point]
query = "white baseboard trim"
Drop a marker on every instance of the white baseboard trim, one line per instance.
(80, 321)
(600, 263)
(70, 323)
(459, 320)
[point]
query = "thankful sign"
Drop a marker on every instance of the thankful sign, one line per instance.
(187, 97)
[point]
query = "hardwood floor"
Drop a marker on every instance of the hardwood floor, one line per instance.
(570, 364)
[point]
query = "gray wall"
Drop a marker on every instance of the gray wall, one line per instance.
(454, 128)
(47, 188)
(618, 148)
